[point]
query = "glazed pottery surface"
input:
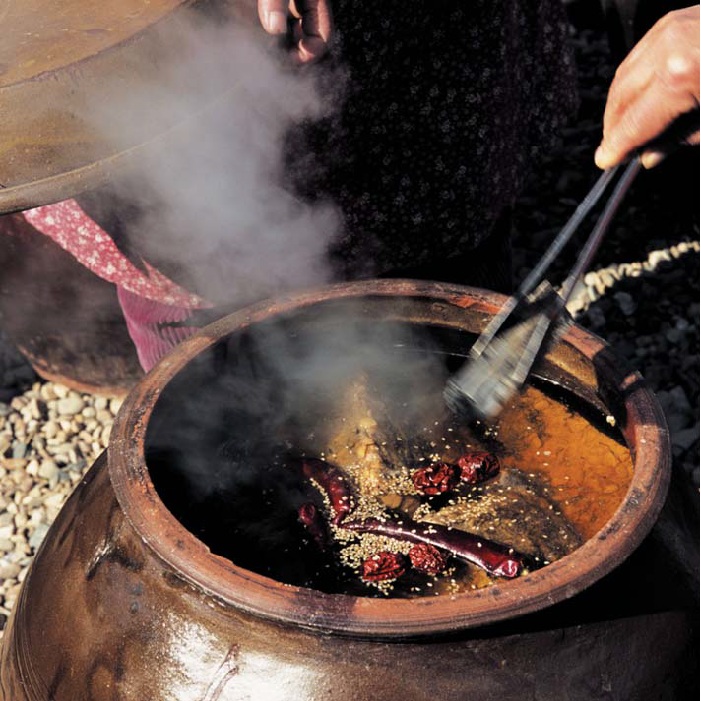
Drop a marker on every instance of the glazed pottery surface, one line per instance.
(122, 602)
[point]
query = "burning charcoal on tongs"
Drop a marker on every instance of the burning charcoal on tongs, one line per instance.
(533, 318)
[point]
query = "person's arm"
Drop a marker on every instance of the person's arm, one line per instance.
(656, 83)
(311, 24)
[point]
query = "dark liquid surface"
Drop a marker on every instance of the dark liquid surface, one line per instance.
(225, 439)
(561, 479)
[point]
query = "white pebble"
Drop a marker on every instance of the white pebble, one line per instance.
(8, 570)
(38, 535)
(71, 405)
(103, 416)
(48, 470)
(47, 393)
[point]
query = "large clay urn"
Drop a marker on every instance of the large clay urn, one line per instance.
(123, 602)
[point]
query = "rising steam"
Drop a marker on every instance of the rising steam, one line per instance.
(207, 200)
(211, 209)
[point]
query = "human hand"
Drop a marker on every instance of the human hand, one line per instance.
(312, 25)
(656, 83)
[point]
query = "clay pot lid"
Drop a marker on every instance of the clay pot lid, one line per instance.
(637, 413)
(54, 58)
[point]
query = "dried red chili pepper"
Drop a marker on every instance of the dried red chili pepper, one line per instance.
(436, 478)
(333, 482)
(309, 516)
(477, 466)
(382, 566)
(427, 559)
(492, 557)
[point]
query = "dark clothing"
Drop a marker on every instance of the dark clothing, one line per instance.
(448, 107)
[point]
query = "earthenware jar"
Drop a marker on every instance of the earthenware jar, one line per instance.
(123, 602)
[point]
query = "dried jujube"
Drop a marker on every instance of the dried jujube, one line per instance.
(382, 566)
(436, 478)
(478, 466)
(427, 559)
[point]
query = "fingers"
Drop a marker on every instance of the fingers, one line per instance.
(311, 31)
(642, 119)
(656, 83)
(317, 26)
(273, 15)
(316, 18)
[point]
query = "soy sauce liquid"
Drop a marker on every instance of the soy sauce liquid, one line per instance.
(561, 480)
(220, 463)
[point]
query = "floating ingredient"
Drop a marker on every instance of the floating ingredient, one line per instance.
(494, 558)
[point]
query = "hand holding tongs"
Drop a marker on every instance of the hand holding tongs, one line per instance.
(530, 320)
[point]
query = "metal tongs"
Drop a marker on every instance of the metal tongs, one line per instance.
(531, 319)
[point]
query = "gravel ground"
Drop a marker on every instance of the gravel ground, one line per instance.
(641, 295)
(49, 437)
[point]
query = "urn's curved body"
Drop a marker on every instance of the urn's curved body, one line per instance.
(118, 604)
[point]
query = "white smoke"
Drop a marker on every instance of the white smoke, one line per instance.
(216, 105)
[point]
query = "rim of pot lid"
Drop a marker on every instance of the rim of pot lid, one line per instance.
(56, 60)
